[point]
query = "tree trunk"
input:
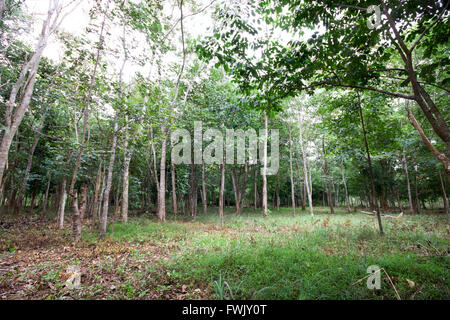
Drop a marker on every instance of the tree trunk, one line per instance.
(345, 189)
(44, 208)
(83, 201)
(204, 196)
(125, 182)
(62, 203)
(174, 186)
(104, 217)
(244, 186)
(194, 191)
(369, 161)
(255, 204)
(76, 218)
(264, 188)
(155, 171)
(327, 179)
(277, 193)
(221, 191)
(444, 194)
(102, 194)
(305, 170)
(98, 181)
(149, 188)
(235, 181)
(162, 178)
(417, 203)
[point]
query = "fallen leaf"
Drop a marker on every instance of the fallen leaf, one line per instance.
(411, 283)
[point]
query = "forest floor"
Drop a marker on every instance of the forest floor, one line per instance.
(278, 257)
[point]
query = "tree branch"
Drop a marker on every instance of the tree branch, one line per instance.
(328, 83)
(429, 27)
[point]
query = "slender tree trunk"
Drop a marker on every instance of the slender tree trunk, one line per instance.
(255, 188)
(76, 218)
(126, 168)
(345, 188)
(335, 191)
(174, 186)
(374, 194)
(149, 188)
(398, 199)
(305, 170)
(83, 201)
(291, 172)
(104, 217)
(327, 179)
(62, 203)
(264, 188)
(221, 191)
(204, 196)
(44, 209)
(244, 186)
(277, 193)
(194, 191)
(444, 194)
(235, 181)
(102, 194)
(302, 187)
(162, 178)
(416, 193)
(98, 181)
(155, 171)
(408, 184)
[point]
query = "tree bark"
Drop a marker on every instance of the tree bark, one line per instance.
(162, 178)
(98, 181)
(194, 191)
(327, 179)
(345, 188)
(264, 187)
(44, 208)
(405, 168)
(83, 201)
(417, 203)
(305, 170)
(291, 171)
(104, 217)
(255, 189)
(174, 186)
(125, 182)
(204, 195)
(221, 191)
(444, 194)
(235, 181)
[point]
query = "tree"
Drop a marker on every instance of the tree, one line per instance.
(15, 110)
(347, 54)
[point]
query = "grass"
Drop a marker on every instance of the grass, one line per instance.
(253, 257)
